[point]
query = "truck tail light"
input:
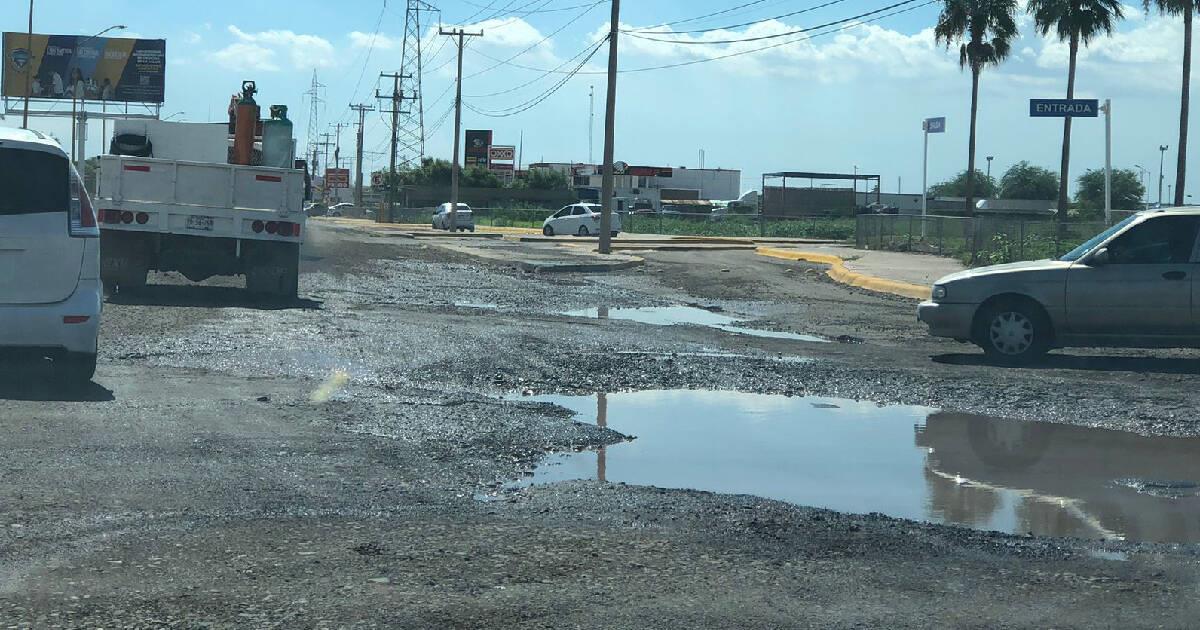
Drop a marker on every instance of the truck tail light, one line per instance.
(126, 217)
(258, 227)
(272, 227)
(142, 218)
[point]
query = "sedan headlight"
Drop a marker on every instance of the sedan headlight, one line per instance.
(939, 292)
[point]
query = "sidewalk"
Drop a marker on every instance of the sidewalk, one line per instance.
(896, 273)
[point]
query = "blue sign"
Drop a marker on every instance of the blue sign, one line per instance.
(935, 125)
(1064, 108)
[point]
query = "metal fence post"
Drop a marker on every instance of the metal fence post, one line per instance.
(910, 231)
(941, 223)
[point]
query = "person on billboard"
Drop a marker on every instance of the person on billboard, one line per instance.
(56, 86)
(106, 90)
(35, 88)
(76, 88)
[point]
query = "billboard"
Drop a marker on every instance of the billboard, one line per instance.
(478, 142)
(337, 178)
(91, 68)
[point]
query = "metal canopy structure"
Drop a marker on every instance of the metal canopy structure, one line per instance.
(813, 177)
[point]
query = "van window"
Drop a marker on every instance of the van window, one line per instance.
(32, 182)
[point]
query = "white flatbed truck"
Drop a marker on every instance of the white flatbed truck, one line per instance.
(199, 218)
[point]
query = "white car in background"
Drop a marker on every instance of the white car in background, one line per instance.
(464, 219)
(580, 219)
(50, 291)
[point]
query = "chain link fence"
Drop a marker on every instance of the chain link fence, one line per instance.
(665, 223)
(974, 240)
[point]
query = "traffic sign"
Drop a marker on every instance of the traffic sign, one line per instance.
(935, 125)
(1064, 108)
(376, 179)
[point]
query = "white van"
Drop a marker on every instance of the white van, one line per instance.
(50, 293)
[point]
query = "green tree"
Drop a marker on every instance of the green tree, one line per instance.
(476, 177)
(1074, 22)
(546, 179)
(956, 186)
(1026, 181)
(1127, 191)
(1184, 9)
(984, 30)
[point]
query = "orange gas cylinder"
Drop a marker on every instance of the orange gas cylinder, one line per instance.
(246, 125)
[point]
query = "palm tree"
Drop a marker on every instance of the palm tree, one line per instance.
(1184, 8)
(985, 29)
(1075, 22)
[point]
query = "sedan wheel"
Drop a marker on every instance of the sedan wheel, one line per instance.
(548, 231)
(583, 231)
(1014, 332)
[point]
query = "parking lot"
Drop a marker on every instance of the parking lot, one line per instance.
(363, 456)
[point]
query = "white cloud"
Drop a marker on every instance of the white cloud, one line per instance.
(192, 38)
(359, 39)
(241, 56)
(304, 51)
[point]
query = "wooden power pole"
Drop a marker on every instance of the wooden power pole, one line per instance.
(461, 35)
(362, 110)
(610, 115)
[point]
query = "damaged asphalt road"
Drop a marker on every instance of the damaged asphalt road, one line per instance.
(321, 464)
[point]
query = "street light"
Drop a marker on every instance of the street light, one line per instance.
(989, 171)
(1162, 154)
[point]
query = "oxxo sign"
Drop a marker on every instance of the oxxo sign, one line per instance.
(1064, 108)
(502, 154)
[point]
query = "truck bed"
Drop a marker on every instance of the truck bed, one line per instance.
(200, 198)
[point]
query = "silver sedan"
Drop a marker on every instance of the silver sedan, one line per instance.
(1129, 286)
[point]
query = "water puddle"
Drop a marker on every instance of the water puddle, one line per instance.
(908, 462)
(687, 315)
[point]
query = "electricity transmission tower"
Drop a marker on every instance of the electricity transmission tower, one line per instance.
(411, 131)
(314, 118)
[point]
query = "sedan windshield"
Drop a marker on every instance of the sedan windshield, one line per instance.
(1078, 252)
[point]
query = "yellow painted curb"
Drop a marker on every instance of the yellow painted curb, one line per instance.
(839, 273)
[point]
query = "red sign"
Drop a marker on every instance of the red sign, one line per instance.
(337, 178)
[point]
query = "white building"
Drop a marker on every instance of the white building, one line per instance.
(652, 185)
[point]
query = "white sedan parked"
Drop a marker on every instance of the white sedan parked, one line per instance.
(580, 219)
(50, 292)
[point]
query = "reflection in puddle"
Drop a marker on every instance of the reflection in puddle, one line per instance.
(908, 462)
(687, 315)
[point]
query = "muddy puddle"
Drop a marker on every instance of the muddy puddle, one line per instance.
(907, 462)
(688, 316)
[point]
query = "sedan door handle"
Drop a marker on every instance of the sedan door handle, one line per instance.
(1174, 275)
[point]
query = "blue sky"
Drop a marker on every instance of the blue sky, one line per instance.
(831, 103)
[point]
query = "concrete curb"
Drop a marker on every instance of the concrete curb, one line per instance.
(839, 273)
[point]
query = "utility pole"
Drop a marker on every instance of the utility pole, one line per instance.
(591, 121)
(610, 122)
(461, 35)
(1162, 155)
(397, 99)
(362, 110)
(411, 134)
(324, 146)
(28, 68)
(1107, 109)
(337, 147)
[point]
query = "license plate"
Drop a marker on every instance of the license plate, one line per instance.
(204, 224)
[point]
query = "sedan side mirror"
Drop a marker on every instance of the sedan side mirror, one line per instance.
(1100, 258)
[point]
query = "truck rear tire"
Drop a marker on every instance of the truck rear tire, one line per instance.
(123, 262)
(272, 269)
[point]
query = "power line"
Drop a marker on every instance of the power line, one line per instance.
(560, 29)
(711, 15)
(742, 25)
(843, 27)
(545, 74)
(539, 11)
(526, 106)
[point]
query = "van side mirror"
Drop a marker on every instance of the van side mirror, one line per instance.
(1100, 258)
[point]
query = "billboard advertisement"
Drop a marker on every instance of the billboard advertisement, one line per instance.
(502, 154)
(337, 178)
(90, 68)
(478, 142)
